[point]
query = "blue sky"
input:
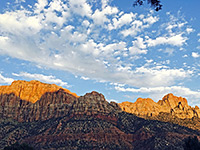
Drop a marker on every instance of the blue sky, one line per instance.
(107, 46)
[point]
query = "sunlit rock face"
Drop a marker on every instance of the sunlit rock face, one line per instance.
(142, 107)
(31, 91)
(176, 106)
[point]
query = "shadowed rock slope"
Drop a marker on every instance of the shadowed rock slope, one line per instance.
(59, 120)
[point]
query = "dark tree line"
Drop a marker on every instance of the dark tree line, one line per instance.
(156, 4)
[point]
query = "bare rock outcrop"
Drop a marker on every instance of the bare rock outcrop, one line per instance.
(142, 107)
(57, 104)
(176, 106)
(31, 91)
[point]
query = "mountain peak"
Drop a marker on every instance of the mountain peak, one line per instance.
(31, 90)
(176, 106)
(172, 101)
(142, 107)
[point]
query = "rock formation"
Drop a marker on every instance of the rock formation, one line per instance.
(176, 106)
(31, 91)
(142, 107)
(62, 120)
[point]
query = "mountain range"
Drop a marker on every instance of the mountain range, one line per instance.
(47, 116)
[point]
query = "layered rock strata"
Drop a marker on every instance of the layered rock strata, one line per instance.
(54, 105)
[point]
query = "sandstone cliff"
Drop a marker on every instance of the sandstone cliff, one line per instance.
(31, 91)
(141, 107)
(176, 106)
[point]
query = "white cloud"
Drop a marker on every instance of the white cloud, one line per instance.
(150, 20)
(86, 23)
(159, 76)
(176, 40)
(115, 46)
(139, 47)
(185, 56)
(5, 80)
(39, 6)
(104, 3)
(85, 78)
(139, 25)
(100, 16)
(189, 30)
(19, 1)
(74, 37)
(123, 20)
(195, 55)
(19, 22)
(136, 26)
(42, 78)
(80, 7)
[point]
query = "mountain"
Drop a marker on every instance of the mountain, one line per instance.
(31, 91)
(170, 109)
(61, 120)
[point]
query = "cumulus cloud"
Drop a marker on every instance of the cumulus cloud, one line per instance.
(42, 78)
(100, 43)
(5, 80)
(176, 40)
(189, 30)
(195, 55)
(122, 20)
(100, 16)
(139, 25)
(139, 47)
(80, 7)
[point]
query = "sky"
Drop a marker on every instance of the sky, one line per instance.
(108, 46)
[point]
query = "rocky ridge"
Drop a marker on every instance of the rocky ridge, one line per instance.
(171, 109)
(60, 120)
(54, 105)
(176, 106)
(31, 91)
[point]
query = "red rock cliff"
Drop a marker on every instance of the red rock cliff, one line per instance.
(174, 105)
(31, 91)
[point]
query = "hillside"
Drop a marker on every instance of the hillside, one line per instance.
(60, 120)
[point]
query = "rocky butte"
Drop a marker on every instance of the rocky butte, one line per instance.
(170, 109)
(49, 117)
(31, 91)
